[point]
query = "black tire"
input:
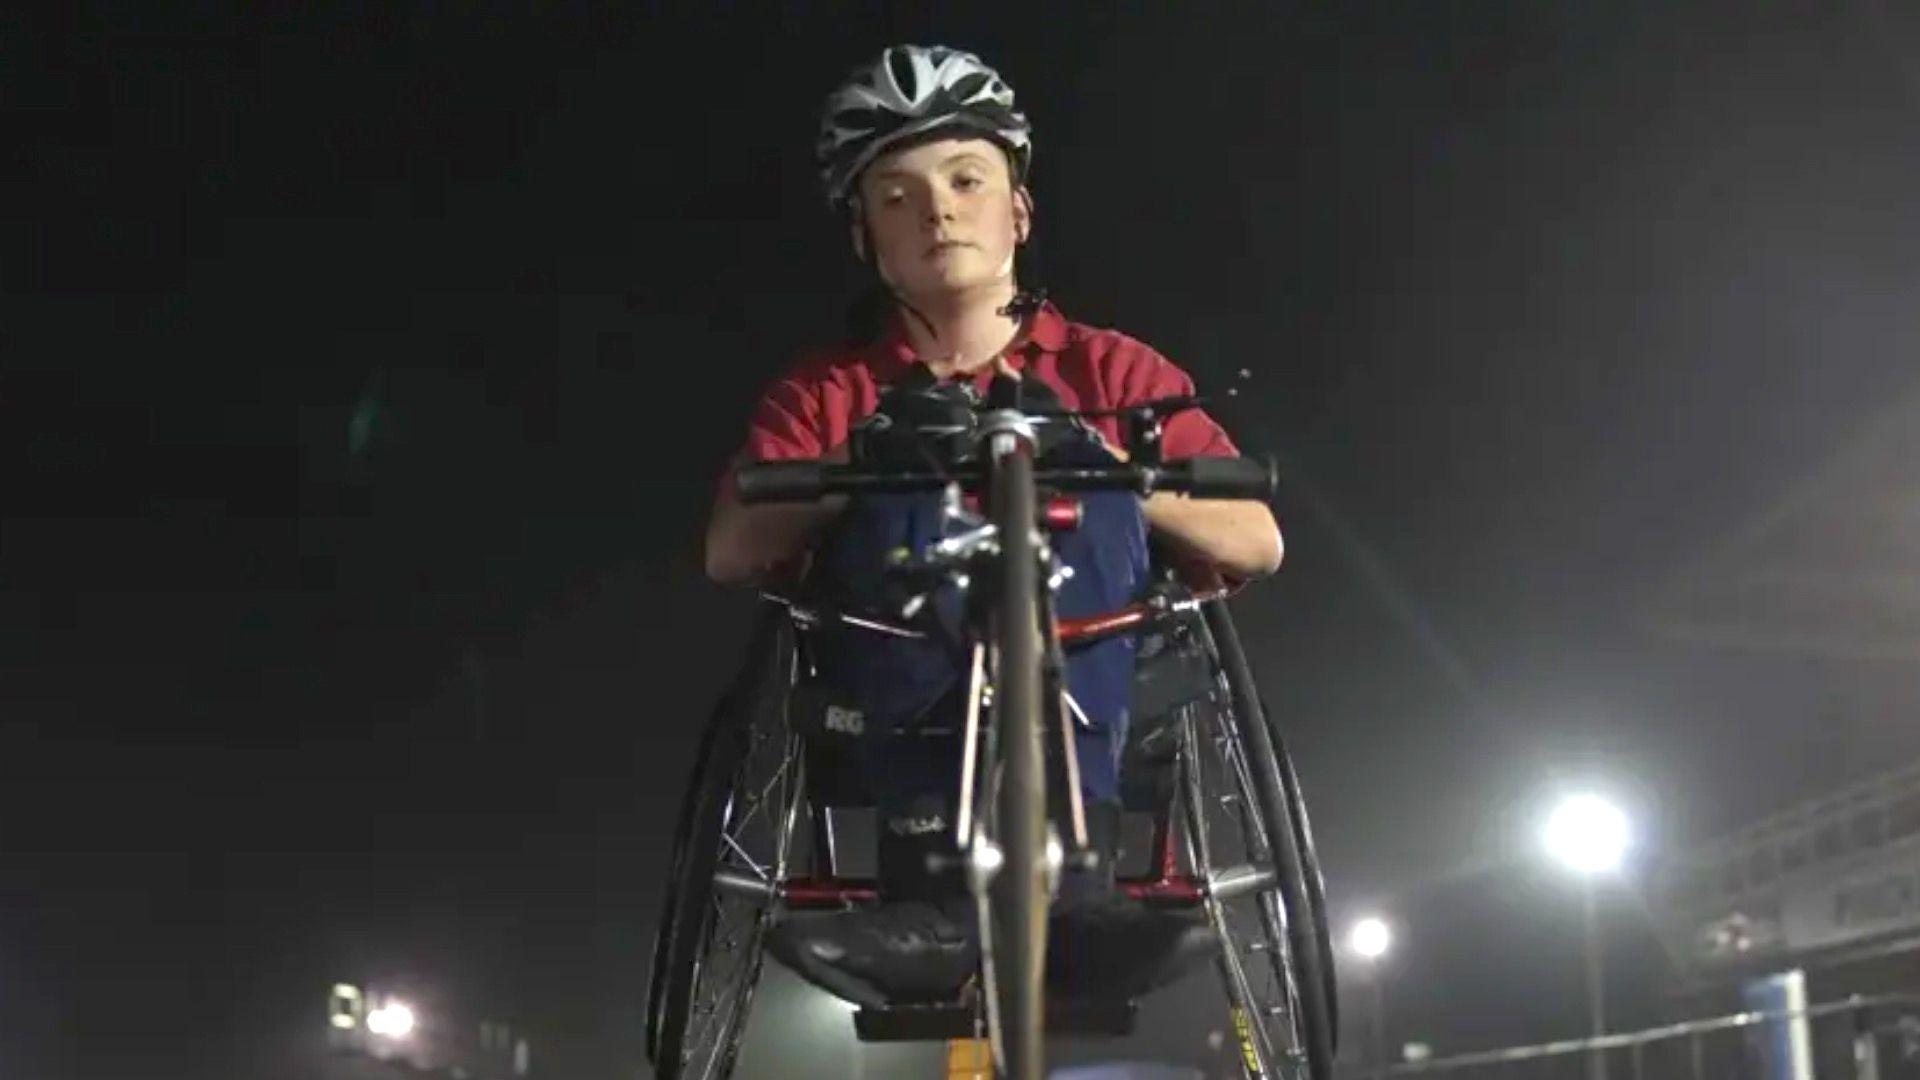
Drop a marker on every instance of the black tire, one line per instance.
(1017, 902)
(1307, 966)
(746, 788)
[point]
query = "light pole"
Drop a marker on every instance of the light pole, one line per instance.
(1589, 835)
(1370, 939)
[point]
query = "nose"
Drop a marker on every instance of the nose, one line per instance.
(939, 208)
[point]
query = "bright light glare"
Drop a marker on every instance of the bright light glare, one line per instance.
(1371, 938)
(1587, 833)
(393, 1020)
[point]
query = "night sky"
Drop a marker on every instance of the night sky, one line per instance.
(364, 372)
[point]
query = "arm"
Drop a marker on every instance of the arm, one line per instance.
(1239, 537)
(745, 544)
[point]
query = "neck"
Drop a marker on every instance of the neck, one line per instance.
(961, 332)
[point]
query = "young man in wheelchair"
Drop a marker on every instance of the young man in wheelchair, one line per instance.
(924, 153)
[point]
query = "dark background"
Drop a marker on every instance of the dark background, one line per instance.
(364, 372)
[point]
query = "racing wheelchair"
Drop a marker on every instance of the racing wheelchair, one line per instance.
(756, 837)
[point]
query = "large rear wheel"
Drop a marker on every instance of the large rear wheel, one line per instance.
(1250, 840)
(732, 846)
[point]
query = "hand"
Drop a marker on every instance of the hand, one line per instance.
(1119, 454)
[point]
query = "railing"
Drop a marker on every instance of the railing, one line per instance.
(1871, 814)
(1862, 1038)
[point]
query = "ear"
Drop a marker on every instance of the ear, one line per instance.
(1022, 214)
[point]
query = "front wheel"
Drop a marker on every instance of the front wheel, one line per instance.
(1016, 923)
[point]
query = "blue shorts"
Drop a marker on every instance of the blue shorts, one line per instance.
(912, 692)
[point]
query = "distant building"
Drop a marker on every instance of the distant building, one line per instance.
(1825, 578)
(1831, 885)
(367, 1028)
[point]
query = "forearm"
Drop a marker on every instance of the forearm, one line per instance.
(746, 543)
(1238, 536)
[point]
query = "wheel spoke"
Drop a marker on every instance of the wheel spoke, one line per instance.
(759, 800)
(756, 837)
(718, 1009)
(1229, 845)
(752, 864)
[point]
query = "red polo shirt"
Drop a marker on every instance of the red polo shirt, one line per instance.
(809, 410)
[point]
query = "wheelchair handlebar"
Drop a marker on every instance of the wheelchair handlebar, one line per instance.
(1201, 477)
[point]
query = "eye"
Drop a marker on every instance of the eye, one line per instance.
(967, 182)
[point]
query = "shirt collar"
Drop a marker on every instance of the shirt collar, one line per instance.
(1045, 331)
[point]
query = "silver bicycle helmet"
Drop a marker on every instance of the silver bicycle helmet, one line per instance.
(910, 90)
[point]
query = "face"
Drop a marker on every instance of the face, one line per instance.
(944, 218)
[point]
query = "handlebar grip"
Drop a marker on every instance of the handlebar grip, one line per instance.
(780, 481)
(1231, 478)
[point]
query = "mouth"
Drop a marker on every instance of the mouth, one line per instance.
(945, 246)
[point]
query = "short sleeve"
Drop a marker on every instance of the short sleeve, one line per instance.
(1141, 374)
(786, 424)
